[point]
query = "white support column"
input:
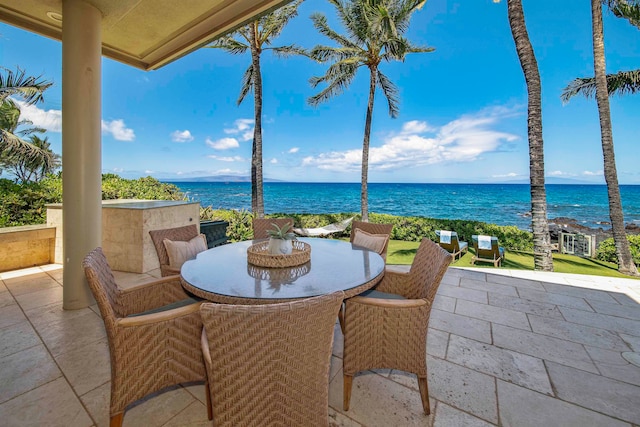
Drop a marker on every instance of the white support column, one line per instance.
(81, 145)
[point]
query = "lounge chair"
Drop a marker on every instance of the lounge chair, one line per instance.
(448, 240)
(487, 249)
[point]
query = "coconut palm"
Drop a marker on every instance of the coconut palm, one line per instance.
(620, 83)
(32, 169)
(543, 259)
(257, 37)
(374, 33)
(625, 260)
(31, 90)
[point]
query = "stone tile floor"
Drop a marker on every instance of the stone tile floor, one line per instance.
(505, 347)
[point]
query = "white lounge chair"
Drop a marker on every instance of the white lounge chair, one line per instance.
(323, 231)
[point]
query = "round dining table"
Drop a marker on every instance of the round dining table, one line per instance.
(223, 274)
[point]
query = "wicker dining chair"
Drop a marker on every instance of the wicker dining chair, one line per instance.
(153, 332)
(268, 365)
(387, 328)
(262, 225)
(372, 228)
(182, 234)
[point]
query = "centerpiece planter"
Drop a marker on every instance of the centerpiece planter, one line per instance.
(280, 246)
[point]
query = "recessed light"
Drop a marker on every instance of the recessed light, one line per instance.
(55, 16)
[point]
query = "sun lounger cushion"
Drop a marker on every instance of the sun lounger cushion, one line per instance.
(373, 242)
(484, 242)
(445, 236)
(179, 252)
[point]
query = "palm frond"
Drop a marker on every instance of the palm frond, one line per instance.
(29, 88)
(336, 71)
(321, 24)
(272, 24)
(337, 85)
(628, 11)
(391, 92)
(327, 53)
(286, 51)
(12, 145)
(229, 44)
(621, 83)
(247, 84)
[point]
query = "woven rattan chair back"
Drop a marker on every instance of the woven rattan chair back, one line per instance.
(262, 225)
(268, 365)
(183, 234)
(372, 228)
(428, 267)
(149, 352)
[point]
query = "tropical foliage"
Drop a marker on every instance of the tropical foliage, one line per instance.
(29, 168)
(257, 37)
(607, 250)
(25, 203)
(374, 34)
(30, 89)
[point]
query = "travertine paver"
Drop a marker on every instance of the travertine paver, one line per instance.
(525, 408)
(604, 395)
(568, 370)
(544, 347)
(508, 365)
(587, 335)
(525, 306)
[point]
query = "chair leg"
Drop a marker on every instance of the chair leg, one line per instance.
(348, 382)
(209, 406)
(424, 395)
(116, 420)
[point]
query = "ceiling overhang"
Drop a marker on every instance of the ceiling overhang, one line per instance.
(146, 34)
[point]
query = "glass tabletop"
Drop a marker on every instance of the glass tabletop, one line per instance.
(223, 274)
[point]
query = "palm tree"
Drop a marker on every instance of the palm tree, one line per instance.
(543, 259)
(620, 83)
(625, 260)
(257, 37)
(375, 31)
(32, 169)
(31, 90)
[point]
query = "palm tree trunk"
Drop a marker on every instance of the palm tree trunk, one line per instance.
(625, 261)
(364, 190)
(543, 259)
(257, 200)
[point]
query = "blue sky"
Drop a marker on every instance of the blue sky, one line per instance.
(462, 108)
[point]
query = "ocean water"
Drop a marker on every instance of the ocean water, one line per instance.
(503, 204)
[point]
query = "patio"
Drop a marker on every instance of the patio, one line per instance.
(506, 347)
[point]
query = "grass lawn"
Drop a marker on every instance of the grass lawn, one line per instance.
(401, 252)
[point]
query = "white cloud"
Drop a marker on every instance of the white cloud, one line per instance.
(242, 127)
(148, 171)
(596, 173)
(273, 161)
(118, 130)
(118, 170)
(506, 175)
(560, 173)
(181, 136)
(223, 144)
(462, 140)
(227, 159)
(294, 150)
(50, 120)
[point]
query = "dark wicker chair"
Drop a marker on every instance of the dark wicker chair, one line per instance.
(183, 234)
(372, 228)
(262, 225)
(153, 332)
(268, 365)
(387, 328)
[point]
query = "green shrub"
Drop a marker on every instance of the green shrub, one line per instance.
(607, 250)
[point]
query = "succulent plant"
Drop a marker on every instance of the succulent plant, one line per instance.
(283, 233)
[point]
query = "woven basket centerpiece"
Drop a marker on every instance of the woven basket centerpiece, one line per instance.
(258, 254)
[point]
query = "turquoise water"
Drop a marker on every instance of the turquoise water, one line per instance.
(503, 204)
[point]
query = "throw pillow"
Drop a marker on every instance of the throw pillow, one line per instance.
(179, 252)
(373, 242)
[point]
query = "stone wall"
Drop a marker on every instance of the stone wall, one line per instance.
(26, 246)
